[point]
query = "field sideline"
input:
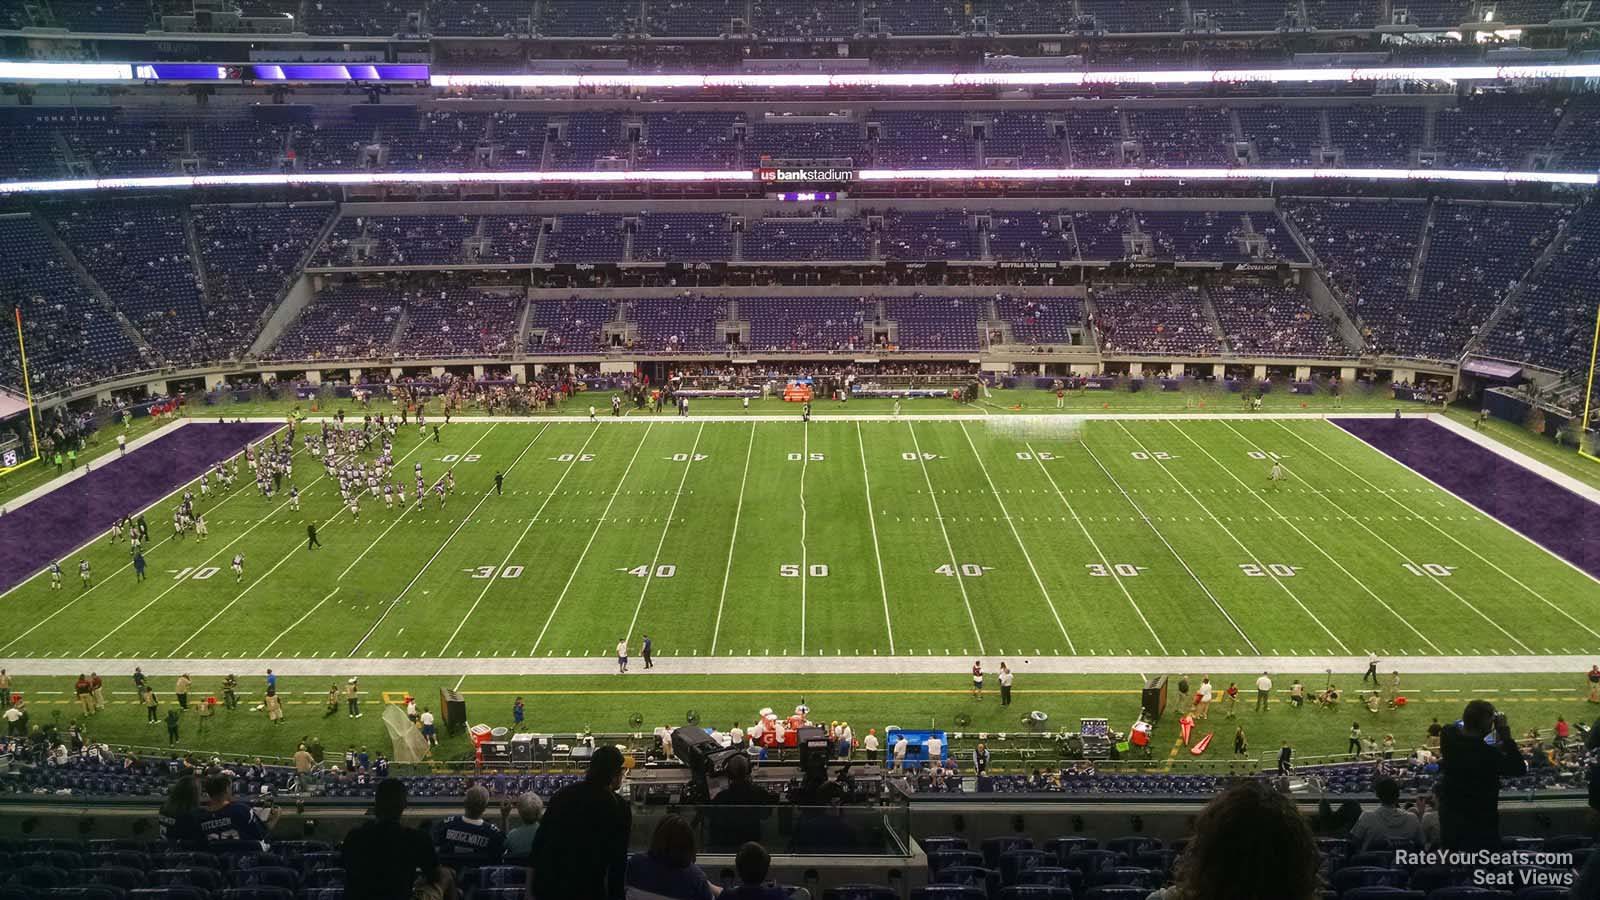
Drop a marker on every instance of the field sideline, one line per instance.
(854, 543)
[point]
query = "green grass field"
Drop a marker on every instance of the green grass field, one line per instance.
(838, 541)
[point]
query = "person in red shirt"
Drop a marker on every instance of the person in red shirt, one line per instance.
(1563, 730)
(1594, 684)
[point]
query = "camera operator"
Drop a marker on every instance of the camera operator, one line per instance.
(1474, 754)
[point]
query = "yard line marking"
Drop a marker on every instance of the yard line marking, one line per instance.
(727, 571)
(1020, 545)
(961, 580)
(655, 559)
(521, 537)
(1098, 552)
(1315, 545)
(1405, 556)
(418, 577)
(296, 624)
(1464, 546)
(592, 535)
(877, 555)
(1168, 544)
(403, 512)
(1235, 538)
(805, 452)
(125, 566)
(220, 551)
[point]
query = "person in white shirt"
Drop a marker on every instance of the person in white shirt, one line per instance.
(1202, 697)
(870, 743)
(622, 655)
(1263, 691)
(935, 748)
(900, 748)
(736, 736)
(1005, 685)
(847, 739)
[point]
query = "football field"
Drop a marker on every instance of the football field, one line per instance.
(854, 543)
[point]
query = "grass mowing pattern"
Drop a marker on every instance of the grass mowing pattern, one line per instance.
(1145, 536)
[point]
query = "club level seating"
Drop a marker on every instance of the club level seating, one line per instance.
(937, 324)
(140, 256)
(713, 18)
(1029, 236)
(1551, 322)
(1041, 320)
(677, 324)
(1491, 132)
(1267, 318)
(1153, 319)
(71, 338)
(1367, 248)
(458, 322)
(807, 323)
(682, 237)
(248, 255)
(343, 322)
(567, 326)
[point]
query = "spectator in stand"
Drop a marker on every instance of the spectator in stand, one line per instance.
(467, 839)
(179, 817)
(667, 869)
(226, 819)
(752, 865)
(519, 840)
(1250, 843)
(1387, 822)
(738, 810)
(383, 857)
(581, 850)
(1470, 771)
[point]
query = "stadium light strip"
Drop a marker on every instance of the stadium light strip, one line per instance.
(46, 71)
(355, 179)
(1021, 79)
(26, 71)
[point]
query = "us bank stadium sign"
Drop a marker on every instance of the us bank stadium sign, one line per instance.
(805, 175)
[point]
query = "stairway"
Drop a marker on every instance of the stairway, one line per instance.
(1214, 319)
(95, 290)
(1509, 301)
(193, 242)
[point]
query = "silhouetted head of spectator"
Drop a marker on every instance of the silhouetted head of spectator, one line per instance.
(672, 844)
(477, 800)
(753, 863)
(738, 769)
(219, 788)
(605, 767)
(1250, 843)
(1478, 717)
(389, 801)
(1388, 791)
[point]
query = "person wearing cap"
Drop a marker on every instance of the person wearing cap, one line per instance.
(352, 696)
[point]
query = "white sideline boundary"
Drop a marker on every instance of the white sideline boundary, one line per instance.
(954, 665)
(819, 417)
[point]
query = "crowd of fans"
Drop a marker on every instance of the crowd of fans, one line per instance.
(712, 18)
(1494, 133)
(573, 836)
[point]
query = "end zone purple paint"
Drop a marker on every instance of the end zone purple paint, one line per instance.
(52, 526)
(1547, 513)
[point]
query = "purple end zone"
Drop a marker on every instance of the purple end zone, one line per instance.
(54, 525)
(1559, 520)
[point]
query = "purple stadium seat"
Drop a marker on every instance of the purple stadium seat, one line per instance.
(116, 876)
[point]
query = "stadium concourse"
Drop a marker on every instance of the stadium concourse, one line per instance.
(1024, 450)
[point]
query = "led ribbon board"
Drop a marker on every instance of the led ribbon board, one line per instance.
(180, 182)
(1021, 79)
